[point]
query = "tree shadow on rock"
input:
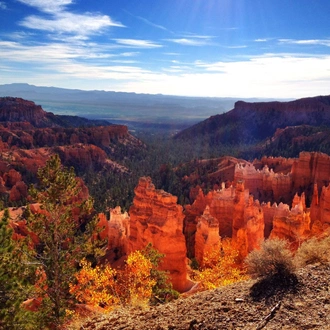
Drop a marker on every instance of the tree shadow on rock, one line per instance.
(277, 284)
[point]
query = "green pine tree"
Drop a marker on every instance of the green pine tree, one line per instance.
(13, 287)
(63, 228)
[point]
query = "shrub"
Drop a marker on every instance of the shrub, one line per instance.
(273, 259)
(273, 265)
(313, 251)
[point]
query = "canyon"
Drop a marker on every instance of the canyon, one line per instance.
(230, 212)
(29, 135)
(246, 201)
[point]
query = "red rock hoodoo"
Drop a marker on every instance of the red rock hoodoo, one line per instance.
(155, 217)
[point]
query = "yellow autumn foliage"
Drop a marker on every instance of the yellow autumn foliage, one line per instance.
(105, 287)
(219, 268)
(139, 280)
(96, 286)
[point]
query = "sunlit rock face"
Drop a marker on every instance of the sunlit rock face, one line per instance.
(310, 168)
(192, 212)
(248, 222)
(155, 217)
(232, 212)
(293, 225)
(320, 210)
(116, 232)
(207, 237)
(264, 184)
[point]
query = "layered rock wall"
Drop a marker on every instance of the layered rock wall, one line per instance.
(310, 168)
(265, 184)
(155, 217)
(207, 236)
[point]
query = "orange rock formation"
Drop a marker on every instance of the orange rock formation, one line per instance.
(207, 236)
(155, 217)
(116, 231)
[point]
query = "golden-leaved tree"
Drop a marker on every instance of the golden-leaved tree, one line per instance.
(219, 268)
(139, 282)
(96, 286)
(103, 286)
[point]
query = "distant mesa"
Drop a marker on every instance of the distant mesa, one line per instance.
(14, 109)
(254, 122)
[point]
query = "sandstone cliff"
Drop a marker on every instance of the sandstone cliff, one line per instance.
(155, 217)
(207, 236)
(116, 232)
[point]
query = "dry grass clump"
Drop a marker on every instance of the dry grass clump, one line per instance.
(274, 258)
(313, 251)
(274, 267)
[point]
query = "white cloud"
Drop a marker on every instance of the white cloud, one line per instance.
(48, 6)
(268, 75)
(262, 40)
(264, 76)
(190, 42)
(236, 47)
(317, 42)
(60, 21)
(44, 54)
(129, 54)
(70, 23)
(138, 43)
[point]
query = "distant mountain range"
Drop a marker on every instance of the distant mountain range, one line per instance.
(256, 123)
(142, 110)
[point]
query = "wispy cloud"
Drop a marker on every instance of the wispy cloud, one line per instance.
(138, 43)
(3, 5)
(190, 41)
(153, 24)
(129, 54)
(284, 75)
(70, 23)
(316, 42)
(51, 53)
(148, 22)
(48, 6)
(261, 40)
(172, 54)
(236, 47)
(60, 21)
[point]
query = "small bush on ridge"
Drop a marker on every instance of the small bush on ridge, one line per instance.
(313, 251)
(273, 259)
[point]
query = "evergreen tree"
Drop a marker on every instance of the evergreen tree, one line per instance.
(11, 280)
(63, 229)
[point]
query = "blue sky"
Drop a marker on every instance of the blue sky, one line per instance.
(225, 48)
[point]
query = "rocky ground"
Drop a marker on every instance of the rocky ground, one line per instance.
(302, 303)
